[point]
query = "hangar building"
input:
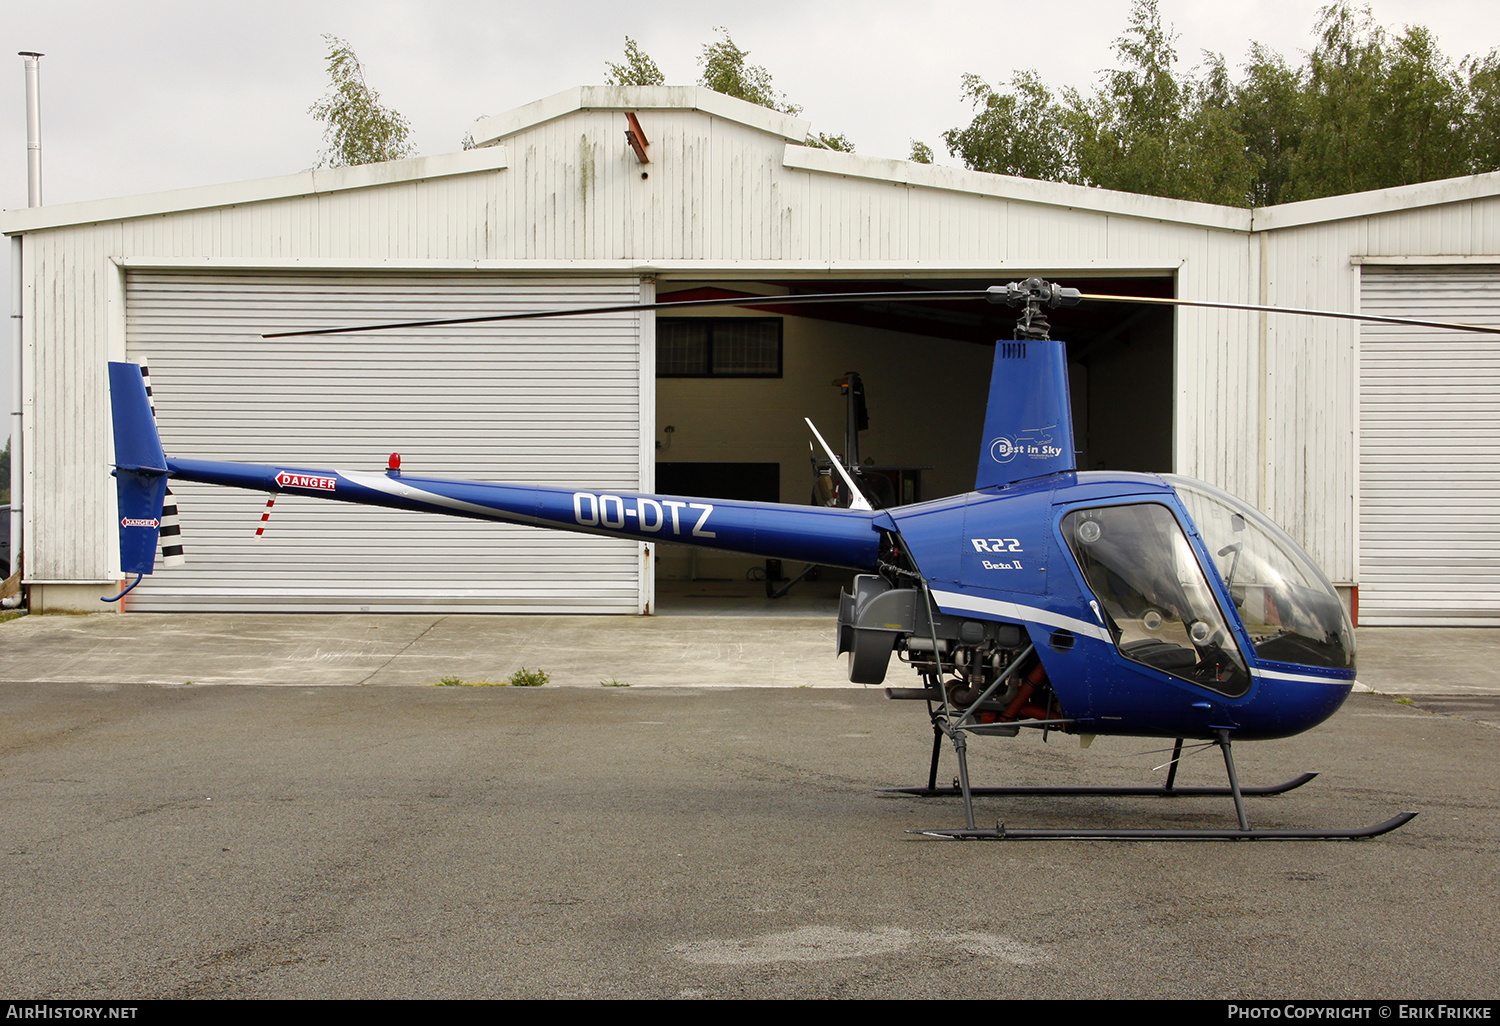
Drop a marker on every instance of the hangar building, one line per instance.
(1377, 447)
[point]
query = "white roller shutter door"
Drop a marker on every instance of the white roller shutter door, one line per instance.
(550, 402)
(1429, 449)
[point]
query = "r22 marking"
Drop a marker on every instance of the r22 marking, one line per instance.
(650, 515)
(996, 544)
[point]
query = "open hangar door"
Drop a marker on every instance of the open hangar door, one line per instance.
(734, 384)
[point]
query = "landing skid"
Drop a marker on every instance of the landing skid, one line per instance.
(1000, 833)
(962, 789)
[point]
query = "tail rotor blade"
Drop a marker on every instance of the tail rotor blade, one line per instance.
(170, 534)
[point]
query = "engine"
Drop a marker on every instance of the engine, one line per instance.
(961, 656)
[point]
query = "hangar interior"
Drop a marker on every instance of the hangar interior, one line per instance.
(736, 430)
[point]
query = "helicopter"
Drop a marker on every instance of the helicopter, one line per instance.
(1084, 603)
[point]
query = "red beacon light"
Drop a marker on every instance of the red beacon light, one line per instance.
(393, 465)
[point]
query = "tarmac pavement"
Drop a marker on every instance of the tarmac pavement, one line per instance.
(713, 830)
(327, 842)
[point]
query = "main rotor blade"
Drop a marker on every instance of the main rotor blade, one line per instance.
(991, 294)
(1339, 314)
(833, 297)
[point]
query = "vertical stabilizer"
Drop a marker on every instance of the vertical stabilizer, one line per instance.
(140, 468)
(1028, 426)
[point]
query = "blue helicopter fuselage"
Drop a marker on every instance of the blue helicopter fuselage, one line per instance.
(1000, 553)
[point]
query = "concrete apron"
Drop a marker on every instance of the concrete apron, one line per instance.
(412, 649)
(586, 651)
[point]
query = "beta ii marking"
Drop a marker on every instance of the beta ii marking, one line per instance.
(650, 514)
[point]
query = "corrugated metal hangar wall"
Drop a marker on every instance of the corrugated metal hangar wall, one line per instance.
(559, 403)
(554, 207)
(1429, 449)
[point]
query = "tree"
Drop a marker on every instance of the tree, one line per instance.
(726, 71)
(1145, 128)
(359, 130)
(1149, 129)
(1423, 115)
(1020, 131)
(1483, 87)
(1364, 112)
(1273, 119)
(1378, 114)
(827, 141)
(1218, 166)
(921, 153)
(638, 70)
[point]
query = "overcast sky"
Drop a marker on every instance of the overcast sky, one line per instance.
(162, 94)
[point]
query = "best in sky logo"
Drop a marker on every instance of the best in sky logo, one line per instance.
(1034, 443)
(1003, 450)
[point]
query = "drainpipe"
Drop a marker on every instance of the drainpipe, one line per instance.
(33, 199)
(17, 509)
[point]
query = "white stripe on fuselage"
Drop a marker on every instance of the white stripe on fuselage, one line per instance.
(1303, 678)
(395, 486)
(1016, 611)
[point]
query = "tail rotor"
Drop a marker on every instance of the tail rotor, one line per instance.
(170, 534)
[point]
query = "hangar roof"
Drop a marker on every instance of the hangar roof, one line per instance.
(489, 135)
(304, 183)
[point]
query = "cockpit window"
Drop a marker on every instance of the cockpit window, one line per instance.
(1292, 613)
(1154, 597)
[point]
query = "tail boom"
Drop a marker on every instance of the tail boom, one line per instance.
(847, 538)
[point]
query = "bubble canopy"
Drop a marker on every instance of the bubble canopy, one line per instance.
(1163, 610)
(1291, 612)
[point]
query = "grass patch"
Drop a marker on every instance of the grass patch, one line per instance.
(522, 678)
(1403, 701)
(613, 682)
(12, 614)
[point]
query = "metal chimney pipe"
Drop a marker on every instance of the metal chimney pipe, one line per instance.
(33, 128)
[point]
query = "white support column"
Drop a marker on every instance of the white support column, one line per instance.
(648, 434)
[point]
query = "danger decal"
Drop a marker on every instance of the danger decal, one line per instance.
(312, 481)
